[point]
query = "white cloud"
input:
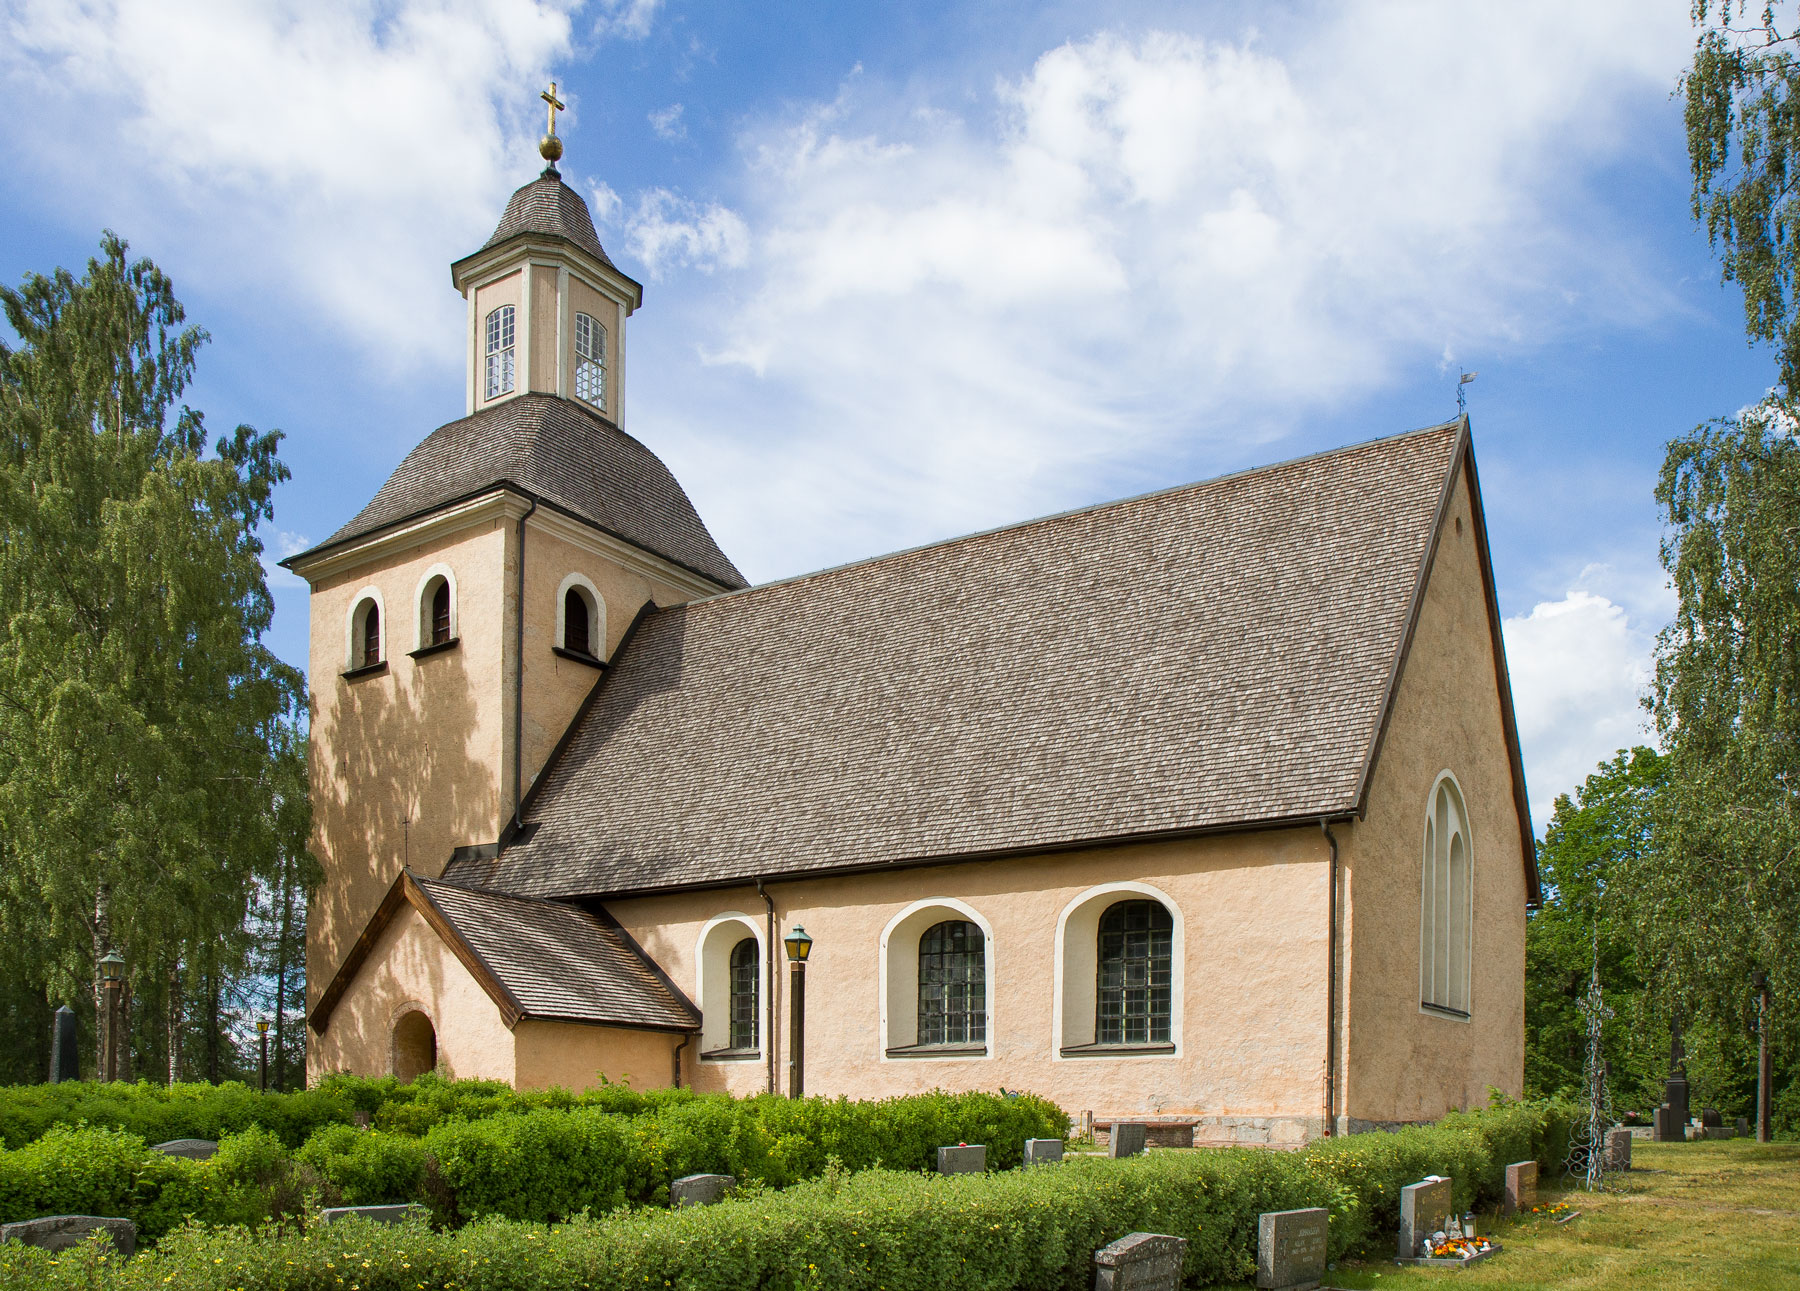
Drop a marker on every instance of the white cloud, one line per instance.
(330, 148)
(1578, 668)
(668, 231)
(667, 123)
(626, 19)
(277, 547)
(1142, 246)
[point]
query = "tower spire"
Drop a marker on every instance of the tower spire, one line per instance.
(550, 147)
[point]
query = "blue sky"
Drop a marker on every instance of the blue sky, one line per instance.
(917, 270)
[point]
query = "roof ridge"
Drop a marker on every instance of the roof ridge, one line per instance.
(1458, 424)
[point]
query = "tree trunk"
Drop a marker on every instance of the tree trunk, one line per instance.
(281, 967)
(123, 1023)
(212, 1025)
(172, 1021)
(103, 1030)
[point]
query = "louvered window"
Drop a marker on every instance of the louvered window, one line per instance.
(577, 635)
(1136, 973)
(590, 361)
(440, 613)
(952, 984)
(500, 352)
(368, 646)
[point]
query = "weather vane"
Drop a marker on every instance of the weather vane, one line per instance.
(550, 147)
(1462, 402)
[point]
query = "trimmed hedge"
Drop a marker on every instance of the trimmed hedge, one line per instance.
(541, 1165)
(860, 1232)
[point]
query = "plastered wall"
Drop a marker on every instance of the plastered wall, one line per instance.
(1401, 1063)
(1252, 962)
(508, 290)
(575, 1057)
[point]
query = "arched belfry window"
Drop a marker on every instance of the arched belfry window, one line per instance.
(952, 984)
(745, 976)
(590, 360)
(1134, 984)
(1447, 891)
(365, 634)
(500, 352)
(577, 627)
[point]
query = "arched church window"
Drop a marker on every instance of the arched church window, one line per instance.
(577, 627)
(366, 635)
(744, 1002)
(590, 361)
(437, 612)
(1136, 974)
(1445, 902)
(952, 984)
(500, 352)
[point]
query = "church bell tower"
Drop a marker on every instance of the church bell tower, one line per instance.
(546, 307)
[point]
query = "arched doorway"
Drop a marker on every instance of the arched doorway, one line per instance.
(415, 1046)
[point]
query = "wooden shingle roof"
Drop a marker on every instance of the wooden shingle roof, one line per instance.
(1214, 656)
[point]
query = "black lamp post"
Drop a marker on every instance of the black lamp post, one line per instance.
(799, 946)
(262, 1054)
(1764, 1081)
(112, 977)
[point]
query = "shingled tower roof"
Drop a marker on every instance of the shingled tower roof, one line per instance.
(550, 208)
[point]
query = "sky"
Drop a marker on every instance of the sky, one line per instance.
(917, 270)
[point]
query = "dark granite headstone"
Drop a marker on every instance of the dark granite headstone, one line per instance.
(63, 1232)
(1743, 1126)
(1140, 1262)
(700, 1189)
(1675, 1096)
(1521, 1187)
(376, 1214)
(1710, 1118)
(192, 1149)
(1043, 1151)
(1618, 1149)
(65, 1056)
(1291, 1247)
(1424, 1209)
(968, 1158)
(1663, 1126)
(1126, 1139)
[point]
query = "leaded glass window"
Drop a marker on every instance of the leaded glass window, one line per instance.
(743, 994)
(952, 984)
(1136, 973)
(590, 361)
(500, 352)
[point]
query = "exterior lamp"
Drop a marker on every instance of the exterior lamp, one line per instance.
(799, 946)
(112, 977)
(112, 967)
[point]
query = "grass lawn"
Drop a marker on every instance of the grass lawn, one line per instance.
(1718, 1214)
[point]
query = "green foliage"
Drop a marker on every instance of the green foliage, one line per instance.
(1596, 842)
(1026, 1229)
(157, 1113)
(366, 1167)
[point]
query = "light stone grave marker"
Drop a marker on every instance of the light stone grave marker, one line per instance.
(966, 1158)
(1043, 1151)
(700, 1189)
(1140, 1262)
(377, 1214)
(1424, 1209)
(1521, 1186)
(192, 1149)
(1618, 1149)
(1743, 1126)
(64, 1232)
(1126, 1138)
(1291, 1248)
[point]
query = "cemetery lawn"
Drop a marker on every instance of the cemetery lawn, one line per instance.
(1689, 1215)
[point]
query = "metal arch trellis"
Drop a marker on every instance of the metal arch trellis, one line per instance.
(1587, 1141)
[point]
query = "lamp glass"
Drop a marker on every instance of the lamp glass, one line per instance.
(262, 1026)
(798, 944)
(112, 965)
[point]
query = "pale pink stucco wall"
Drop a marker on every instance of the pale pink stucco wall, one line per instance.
(576, 1057)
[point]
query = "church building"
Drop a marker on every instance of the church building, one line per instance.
(1204, 806)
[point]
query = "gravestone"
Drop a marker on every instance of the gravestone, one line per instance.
(1126, 1139)
(1618, 1149)
(376, 1214)
(1675, 1098)
(1521, 1186)
(1743, 1126)
(1291, 1248)
(1710, 1118)
(192, 1149)
(1140, 1262)
(965, 1158)
(63, 1232)
(65, 1057)
(1043, 1151)
(700, 1189)
(1664, 1127)
(1424, 1209)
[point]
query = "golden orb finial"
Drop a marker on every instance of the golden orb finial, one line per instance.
(550, 147)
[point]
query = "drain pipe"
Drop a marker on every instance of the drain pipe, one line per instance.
(686, 1038)
(518, 767)
(773, 987)
(1331, 942)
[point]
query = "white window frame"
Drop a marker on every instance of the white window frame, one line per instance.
(353, 627)
(422, 600)
(1446, 903)
(899, 985)
(596, 355)
(596, 614)
(492, 333)
(719, 936)
(1078, 965)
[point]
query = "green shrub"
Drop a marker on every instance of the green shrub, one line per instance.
(366, 1167)
(886, 1229)
(157, 1113)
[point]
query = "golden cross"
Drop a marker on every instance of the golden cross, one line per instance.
(556, 104)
